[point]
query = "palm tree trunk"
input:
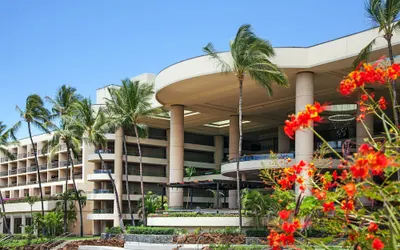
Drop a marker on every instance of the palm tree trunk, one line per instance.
(66, 194)
(4, 214)
(76, 191)
(239, 203)
(394, 100)
(121, 222)
(37, 172)
(141, 175)
(127, 181)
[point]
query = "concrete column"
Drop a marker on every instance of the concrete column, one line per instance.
(23, 223)
(244, 177)
(233, 137)
(168, 132)
(361, 131)
(283, 141)
(304, 143)
(176, 153)
(118, 172)
(232, 199)
(219, 150)
(11, 224)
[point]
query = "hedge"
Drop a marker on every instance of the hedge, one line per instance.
(257, 233)
(113, 230)
(192, 214)
(152, 230)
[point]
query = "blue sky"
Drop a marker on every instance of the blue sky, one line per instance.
(92, 43)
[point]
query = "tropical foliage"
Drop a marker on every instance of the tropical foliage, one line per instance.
(359, 200)
(251, 57)
(152, 203)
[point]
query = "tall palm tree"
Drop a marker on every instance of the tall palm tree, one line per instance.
(383, 13)
(127, 105)
(94, 125)
(67, 134)
(7, 138)
(35, 114)
(250, 56)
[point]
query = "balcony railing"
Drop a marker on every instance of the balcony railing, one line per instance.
(43, 166)
(22, 155)
(102, 191)
(53, 179)
(13, 184)
(21, 183)
(264, 157)
(63, 164)
(77, 162)
(103, 211)
(21, 170)
(53, 165)
(31, 154)
(12, 171)
(103, 171)
(32, 182)
(3, 159)
(43, 180)
(4, 173)
(78, 176)
(32, 168)
(105, 151)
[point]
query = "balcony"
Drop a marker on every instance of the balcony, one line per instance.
(21, 170)
(103, 171)
(101, 196)
(3, 159)
(53, 164)
(53, 179)
(105, 151)
(13, 184)
(32, 168)
(63, 164)
(12, 171)
(21, 156)
(31, 154)
(102, 191)
(43, 166)
(4, 173)
(21, 183)
(103, 211)
(32, 182)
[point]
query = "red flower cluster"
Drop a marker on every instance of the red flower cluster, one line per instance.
(284, 214)
(276, 240)
(369, 160)
(329, 206)
(304, 118)
(382, 103)
(290, 176)
(377, 244)
(368, 74)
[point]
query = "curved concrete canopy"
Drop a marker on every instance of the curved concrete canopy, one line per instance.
(198, 84)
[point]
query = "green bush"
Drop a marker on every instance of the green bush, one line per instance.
(228, 231)
(192, 214)
(257, 233)
(152, 230)
(113, 230)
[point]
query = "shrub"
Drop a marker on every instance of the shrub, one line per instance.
(257, 233)
(229, 247)
(228, 231)
(113, 230)
(152, 230)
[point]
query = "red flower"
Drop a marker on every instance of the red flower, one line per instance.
(377, 162)
(373, 227)
(350, 189)
(360, 168)
(347, 205)
(284, 214)
(382, 103)
(335, 175)
(329, 206)
(320, 195)
(364, 97)
(377, 244)
(365, 149)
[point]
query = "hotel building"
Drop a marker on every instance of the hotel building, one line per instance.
(201, 132)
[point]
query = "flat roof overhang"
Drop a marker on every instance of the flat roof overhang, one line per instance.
(198, 84)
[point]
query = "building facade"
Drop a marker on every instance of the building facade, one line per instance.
(202, 132)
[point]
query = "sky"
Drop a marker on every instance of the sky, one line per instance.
(93, 43)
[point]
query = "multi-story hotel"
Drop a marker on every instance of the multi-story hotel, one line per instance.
(202, 132)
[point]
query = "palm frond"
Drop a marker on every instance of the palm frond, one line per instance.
(210, 51)
(363, 56)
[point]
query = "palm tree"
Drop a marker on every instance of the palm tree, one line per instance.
(37, 115)
(383, 13)
(94, 125)
(68, 134)
(127, 106)
(250, 56)
(190, 171)
(7, 138)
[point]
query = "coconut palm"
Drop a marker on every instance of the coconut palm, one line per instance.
(190, 172)
(384, 14)
(94, 125)
(251, 56)
(65, 133)
(127, 105)
(35, 114)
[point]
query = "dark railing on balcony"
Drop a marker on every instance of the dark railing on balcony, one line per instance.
(3, 159)
(103, 171)
(103, 211)
(3, 173)
(21, 183)
(13, 184)
(43, 180)
(78, 176)
(12, 171)
(64, 178)
(32, 182)
(32, 168)
(55, 178)
(53, 164)
(31, 154)
(63, 163)
(21, 170)
(102, 191)
(105, 151)
(77, 162)
(22, 155)
(43, 166)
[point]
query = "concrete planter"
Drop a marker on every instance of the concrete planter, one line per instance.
(147, 238)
